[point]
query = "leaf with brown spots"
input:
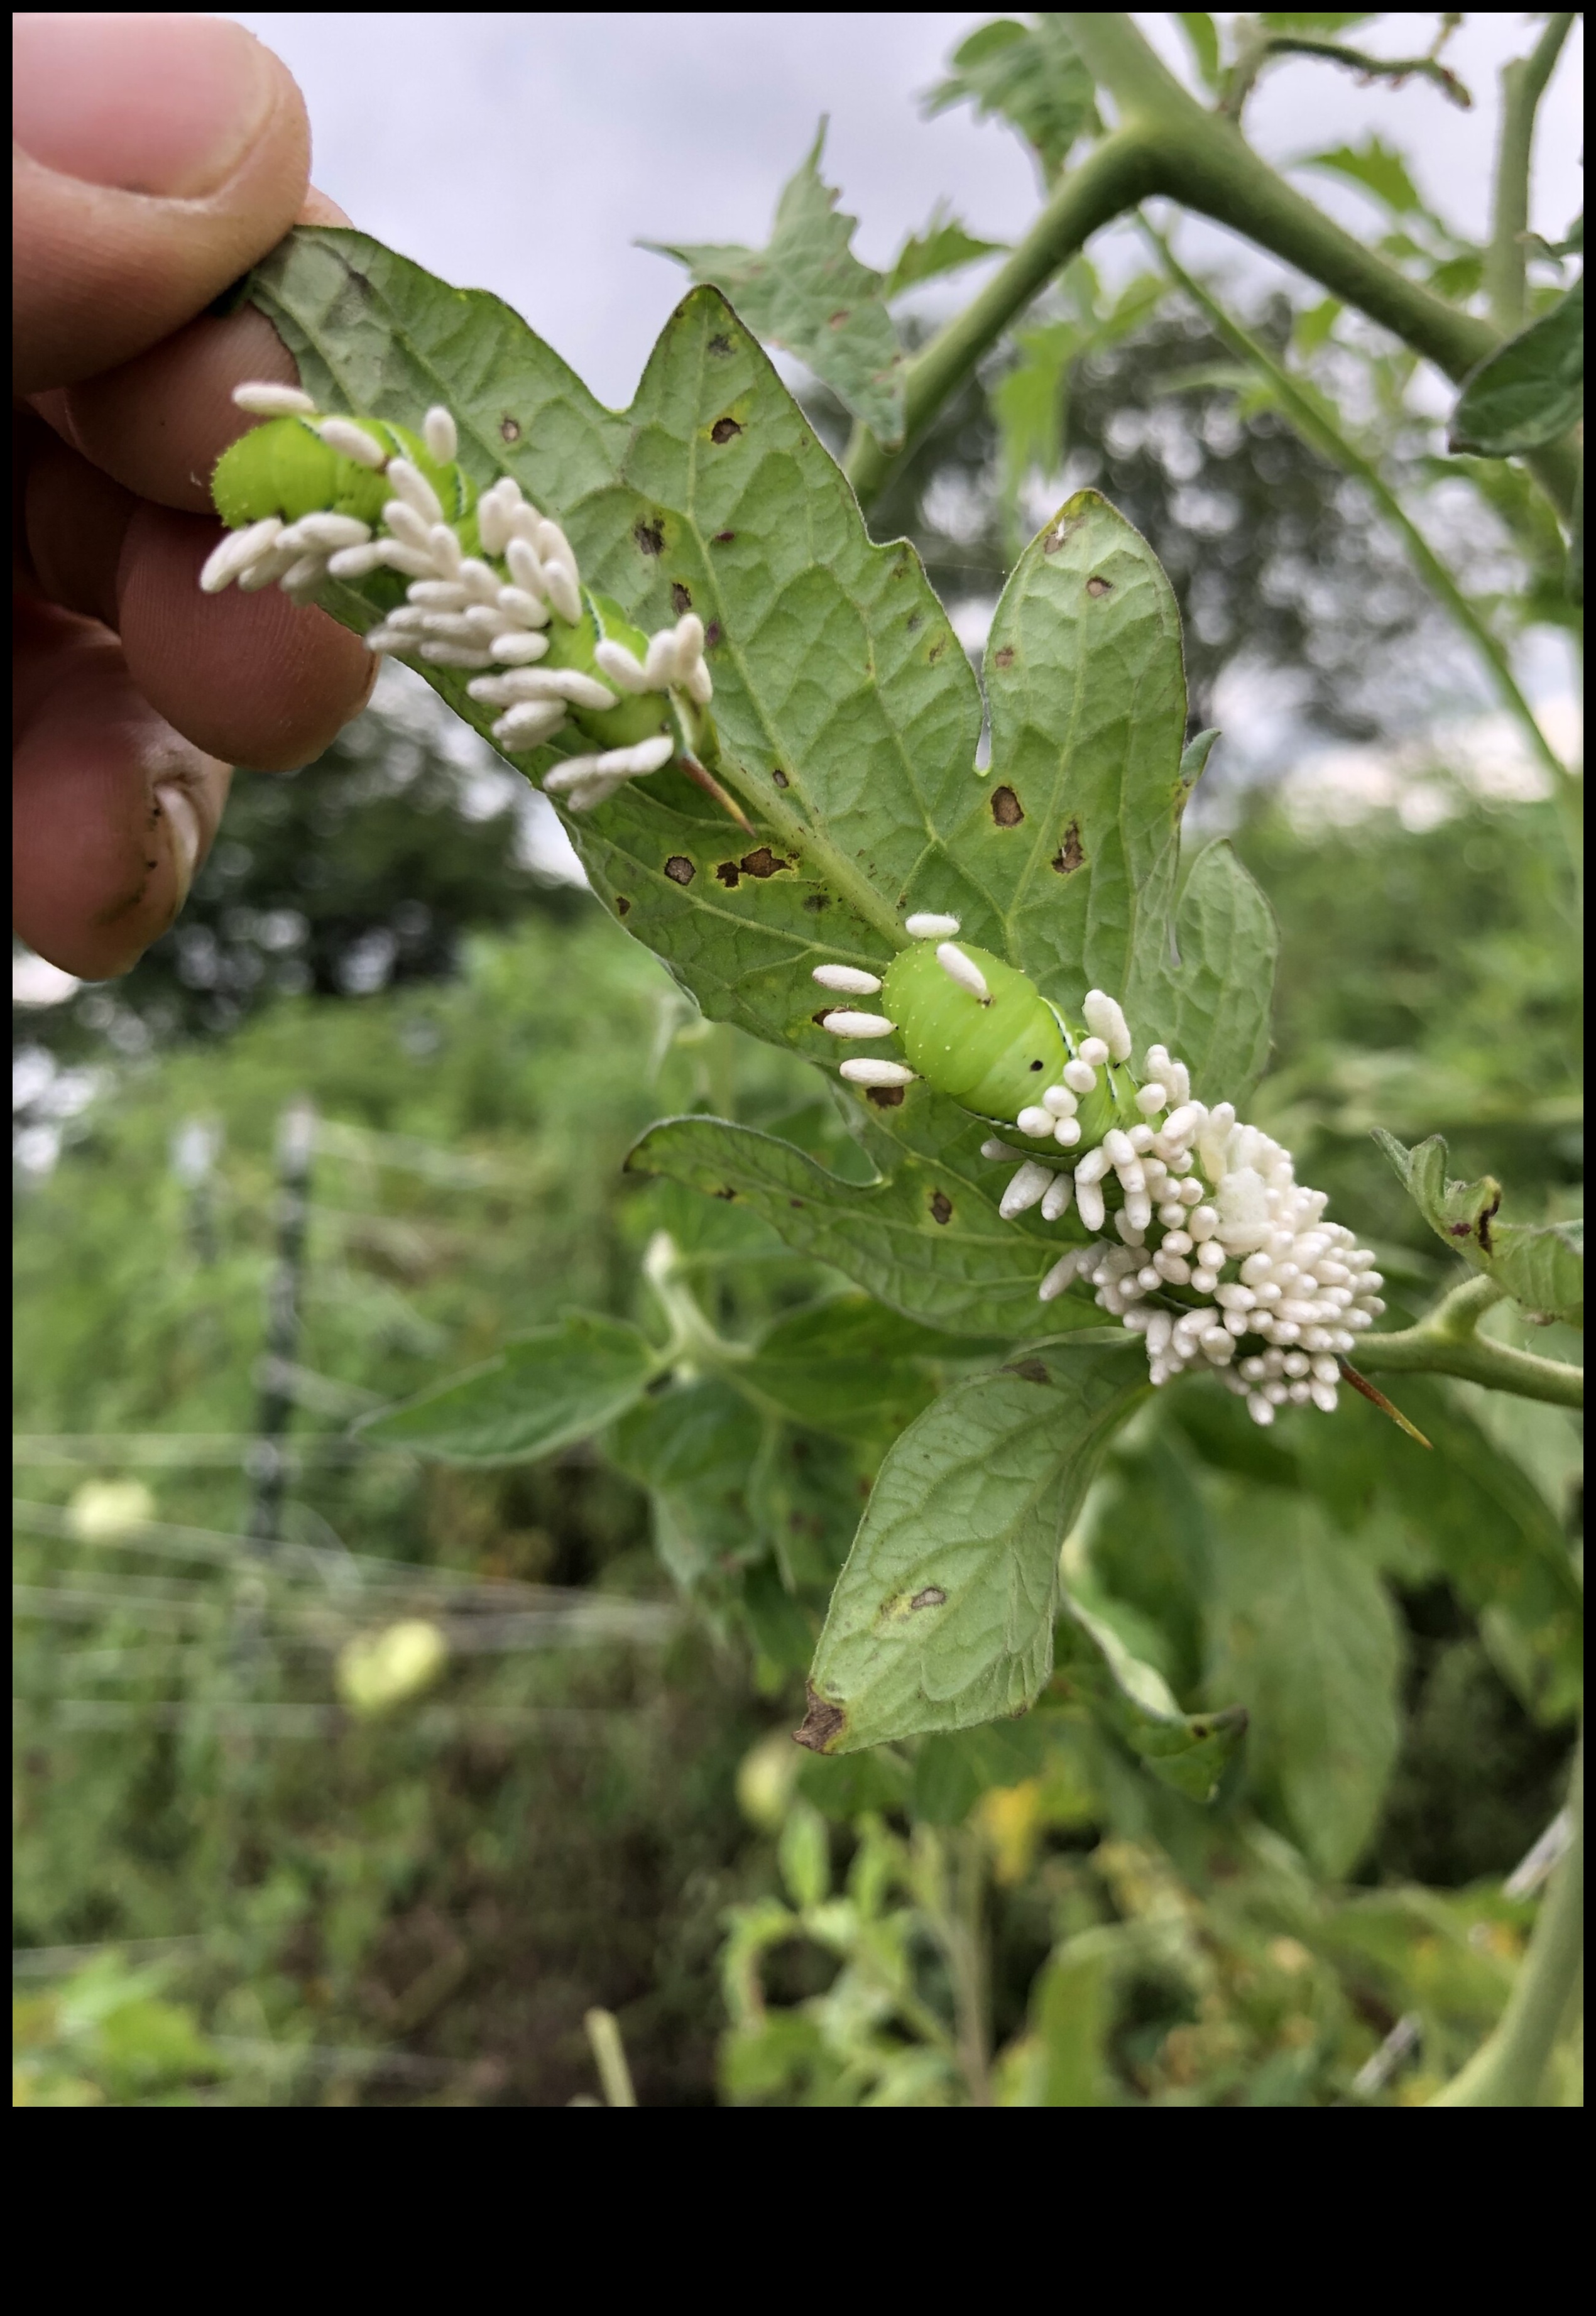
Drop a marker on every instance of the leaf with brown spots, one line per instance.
(942, 1618)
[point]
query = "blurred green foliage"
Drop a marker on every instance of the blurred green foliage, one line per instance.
(418, 1909)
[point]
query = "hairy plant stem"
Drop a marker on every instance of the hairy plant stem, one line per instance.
(1447, 1343)
(1319, 429)
(1523, 84)
(1168, 143)
(1507, 2068)
(952, 1884)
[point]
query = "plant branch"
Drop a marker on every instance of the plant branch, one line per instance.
(1523, 84)
(1318, 426)
(1114, 178)
(1167, 143)
(1507, 2069)
(1447, 1343)
(1332, 52)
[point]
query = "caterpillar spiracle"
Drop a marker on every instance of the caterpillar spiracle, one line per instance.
(1199, 1236)
(483, 581)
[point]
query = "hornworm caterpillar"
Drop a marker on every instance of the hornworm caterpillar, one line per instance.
(1222, 1258)
(468, 580)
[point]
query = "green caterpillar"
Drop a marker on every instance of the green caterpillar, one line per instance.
(466, 579)
(1210, 1246)
(981, 1032)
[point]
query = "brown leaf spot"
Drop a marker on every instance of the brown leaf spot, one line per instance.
(721, 346)
(941, 1206)
(1029, 1371)
(916, 619)
(712, 635)
(648, 538)
(815, 902)
(726, 870)
(1004, 658)
(723, 429)
(1069, 855)
(779, 777)
(835, 320)
(1060, 532)
(1097, 585)
(509, 429)
(722, 537)
(726, 1192)
(680, 869)
(763, 863)
(884, 1097)
(1482, 1229)
(797, 1203)
(823, 1724)
(1007, 810)
(681, 601)
(933, 1597)
(622, 906)
(936, 651)
(900, 569)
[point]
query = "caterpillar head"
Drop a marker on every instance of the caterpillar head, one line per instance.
(467, 580)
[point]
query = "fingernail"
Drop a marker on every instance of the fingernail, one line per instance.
(182, 823)
(148, 105)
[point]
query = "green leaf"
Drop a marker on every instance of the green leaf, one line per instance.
(925, 1242)
(1376, 167)
(1528, 391)
(1188, 1751)
(538, 1395)
(1216, 1001)
(1027, 402)
(696, 1450)
(1541, 1265)
(848, 713)
(807, 291)
(846, 1367)
(943, 1615)
(1465, 1511)
(944, 246)
(1030, 74)
(1303, 1632)
(1495, 1536)
(1202, 38)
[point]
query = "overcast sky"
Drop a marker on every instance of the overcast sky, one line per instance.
(526, 153)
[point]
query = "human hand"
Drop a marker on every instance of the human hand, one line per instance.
(155, 158)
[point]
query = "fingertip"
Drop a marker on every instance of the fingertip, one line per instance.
(255, 680)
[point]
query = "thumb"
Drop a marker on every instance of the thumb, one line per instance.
(155, 159)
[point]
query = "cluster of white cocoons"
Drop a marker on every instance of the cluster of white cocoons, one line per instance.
(1235, 1229)
(461, 613)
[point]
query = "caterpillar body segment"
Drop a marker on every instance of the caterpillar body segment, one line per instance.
(992, 1053)
(285, 468)
(1186, 1226)
(477, 580)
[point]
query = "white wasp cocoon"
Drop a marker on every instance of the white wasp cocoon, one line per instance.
(962, 970)
(264, 400)
(925, 926)
(845, 1024)
(847, 979)
(865, 1072)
